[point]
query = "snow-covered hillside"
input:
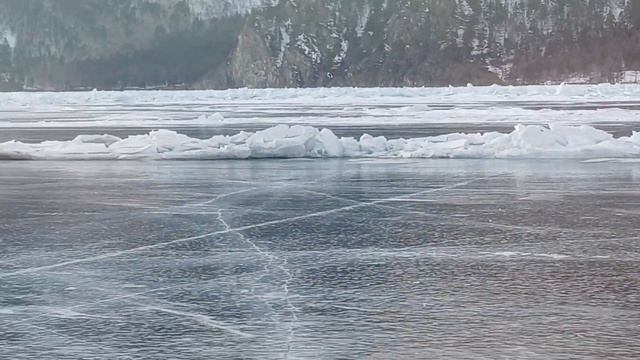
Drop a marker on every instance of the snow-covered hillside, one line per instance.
(51, 44)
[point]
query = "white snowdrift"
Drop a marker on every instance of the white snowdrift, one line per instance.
(283, 141)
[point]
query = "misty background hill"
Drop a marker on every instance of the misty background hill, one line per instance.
(116, 44)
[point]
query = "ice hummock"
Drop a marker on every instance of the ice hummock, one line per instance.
(284, 141)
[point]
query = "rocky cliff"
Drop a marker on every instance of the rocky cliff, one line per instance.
(274, 43)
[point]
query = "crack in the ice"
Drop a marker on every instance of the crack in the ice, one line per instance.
(120, 296)
(174, 210)
(213, 200)
(218, 197)
(199, 318)
(229, 230)
(112, 299)
(268, 269)
(291, 307)
(268, 256)
(458, 221)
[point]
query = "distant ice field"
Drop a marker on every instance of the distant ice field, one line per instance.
(404, 122)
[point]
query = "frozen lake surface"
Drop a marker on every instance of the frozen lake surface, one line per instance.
(341, 258)
(407, 112)
(585, 122)
(323, 259)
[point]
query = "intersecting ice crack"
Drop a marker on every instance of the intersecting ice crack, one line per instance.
(271, 259)
(268, 256)
(160, 306)
(174, 209)
(199, 318)
(113, 254)
(225, 195)
(532, 229)
(177, 209)
(122, 297)
(221, 196)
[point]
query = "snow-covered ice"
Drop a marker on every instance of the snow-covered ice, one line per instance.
(328, 107)
(370, 253)
(283, 141)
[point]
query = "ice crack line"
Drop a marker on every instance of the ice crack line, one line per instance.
(542, 230)
(271, 259)
(170, 210)
(293, 310)
(175, 209)
(229, 230)
(199, 318)
(254, 246)
(225, 195)
(221, 196)
(109, 300)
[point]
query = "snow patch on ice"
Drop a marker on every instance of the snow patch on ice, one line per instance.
(210, 118)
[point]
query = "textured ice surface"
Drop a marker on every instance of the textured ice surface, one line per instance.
(335, 259)
(540, 93)
(533, 141)
(372, 257)
(575, 104)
